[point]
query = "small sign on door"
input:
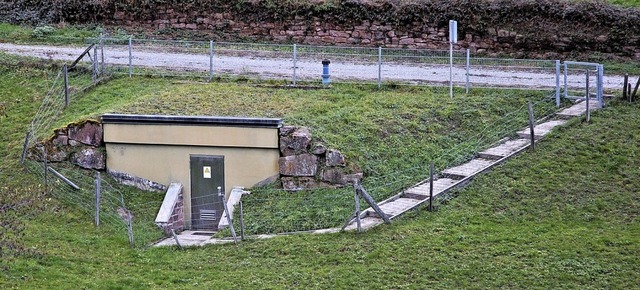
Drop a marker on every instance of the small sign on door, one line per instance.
(206, 170)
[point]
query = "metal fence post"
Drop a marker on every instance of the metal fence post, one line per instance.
(600, 85)
(101, 54)
(226, 210)
(130, 57)
(624, 88)
(531, 124)
(210, 60)
(379, 67)
(566, 93)
(468, 69)
(94, 65)
(44, 167)
(241, 221)
(295, 56)
(357, 213)
(130, 229)
(587, 95)
(431, 187)
(66, 85)
(450, 69)
(558, 83)
(97, 183)
(25, 145)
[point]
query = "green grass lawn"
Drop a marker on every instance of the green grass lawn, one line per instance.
(564, 216)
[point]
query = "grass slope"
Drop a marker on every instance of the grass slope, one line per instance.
(564, 216)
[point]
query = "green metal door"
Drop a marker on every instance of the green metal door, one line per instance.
(207, 174)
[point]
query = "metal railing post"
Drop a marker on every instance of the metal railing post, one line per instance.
(295, 55)
(558, 83)
(379, 67)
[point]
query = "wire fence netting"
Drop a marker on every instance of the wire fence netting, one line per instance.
(267, 210)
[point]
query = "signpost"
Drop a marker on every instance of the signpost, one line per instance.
(453, 38)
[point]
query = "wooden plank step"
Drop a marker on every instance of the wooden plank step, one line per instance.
(579, 109)
(470, 168)
(541, 129)
(439, 185)
(505, 149)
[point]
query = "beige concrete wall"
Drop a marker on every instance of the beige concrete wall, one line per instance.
(191, 135)
(167, 164)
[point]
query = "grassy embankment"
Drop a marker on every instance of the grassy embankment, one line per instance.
(564, 216)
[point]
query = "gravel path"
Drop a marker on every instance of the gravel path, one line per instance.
(309, 67)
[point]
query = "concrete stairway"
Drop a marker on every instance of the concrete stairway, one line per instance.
(460, 175)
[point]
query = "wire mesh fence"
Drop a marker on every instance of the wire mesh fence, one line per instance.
(302, 64)
(272, 211)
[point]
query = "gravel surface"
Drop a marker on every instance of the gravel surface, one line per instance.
(308, 67)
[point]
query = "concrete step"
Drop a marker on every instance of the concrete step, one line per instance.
(505, 149)
(468, 169)
(541, 129)
(439, 185)
(579, 109)
(398, 206)
(366, 223)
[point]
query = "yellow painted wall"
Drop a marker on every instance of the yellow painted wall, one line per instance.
(191, 135)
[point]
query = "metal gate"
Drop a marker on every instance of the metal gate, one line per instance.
(207, 174)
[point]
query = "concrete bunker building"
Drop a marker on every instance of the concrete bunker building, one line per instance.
(200, 153)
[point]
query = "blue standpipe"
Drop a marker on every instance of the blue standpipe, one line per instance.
(326, 77)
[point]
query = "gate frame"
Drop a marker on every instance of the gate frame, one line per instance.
(599, 69)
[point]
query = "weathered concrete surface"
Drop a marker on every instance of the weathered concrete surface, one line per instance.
(505, 149)
(470, 168)
(439, 185)
(234, 199)
(579, 109)
(541, 130)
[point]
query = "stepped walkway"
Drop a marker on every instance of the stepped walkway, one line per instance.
(417, 195)
(456, 177)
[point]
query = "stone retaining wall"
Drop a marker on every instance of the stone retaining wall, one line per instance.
(532, 29)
